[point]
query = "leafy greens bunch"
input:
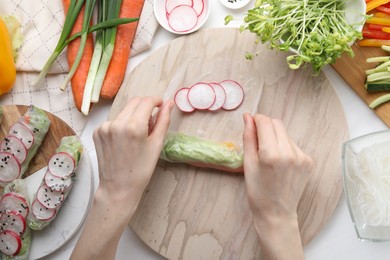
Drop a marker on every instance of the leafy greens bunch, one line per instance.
(316, 29)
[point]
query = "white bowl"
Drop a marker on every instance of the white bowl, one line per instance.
(234, 4)
(162, 15)
(364, 184)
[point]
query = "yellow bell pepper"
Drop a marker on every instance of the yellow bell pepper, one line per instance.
(7, 64)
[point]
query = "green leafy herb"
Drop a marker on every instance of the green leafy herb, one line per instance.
(316, 29)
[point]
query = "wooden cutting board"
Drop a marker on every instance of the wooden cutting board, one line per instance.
(352, 70)
(57, 130)
(193, 213)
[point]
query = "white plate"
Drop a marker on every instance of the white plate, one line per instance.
(72, 214)
(161, 16)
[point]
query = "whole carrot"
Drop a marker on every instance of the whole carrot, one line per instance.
(124, 37)
(80, 77)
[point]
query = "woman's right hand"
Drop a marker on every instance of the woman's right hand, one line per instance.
(276, 174)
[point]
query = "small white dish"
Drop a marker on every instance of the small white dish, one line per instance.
(162, 14)
(234, 4)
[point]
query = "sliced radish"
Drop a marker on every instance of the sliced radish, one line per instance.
(57, 183)
(182, 18)
(181, 100)
(198, 6)
(50, 199)
(14, 146)
(61, 164)
(22, 132)
(220, 96)
(41, 212)
(171, 4)
(9, 167)
(12, 202)
(234, 94)
(201, 96)
(10, 243)
(13, 221)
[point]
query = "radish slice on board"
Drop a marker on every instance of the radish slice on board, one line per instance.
(9, 167)
(50, 199)
(14, 146)
(198, 6)
(171, 4)
(41, 212)
(13, 221)
(182, 18)
(15, 203)
(22, 132)
(220, 96)
(10, 243)
(181, 100)
(61, 164)
(234, 94)
(201, 96)
(57, 183)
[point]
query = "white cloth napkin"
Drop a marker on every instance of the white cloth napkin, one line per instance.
(41, 24)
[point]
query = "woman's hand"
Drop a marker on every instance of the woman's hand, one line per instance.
(127, 150)
(129, 146)
(276, 173)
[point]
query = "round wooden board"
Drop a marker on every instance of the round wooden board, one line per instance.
(57, 130)
(193, 213)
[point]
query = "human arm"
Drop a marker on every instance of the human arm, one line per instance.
(276, 173)
(127, 150)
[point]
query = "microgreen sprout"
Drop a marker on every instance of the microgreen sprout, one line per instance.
(316, 29)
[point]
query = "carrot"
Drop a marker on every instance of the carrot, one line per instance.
(124, 37)
(80, 77)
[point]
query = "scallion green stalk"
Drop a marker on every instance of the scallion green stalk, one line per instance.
(73, 11)
(109, 37)
(89, 6)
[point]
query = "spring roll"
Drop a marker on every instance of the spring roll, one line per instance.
(199, 152)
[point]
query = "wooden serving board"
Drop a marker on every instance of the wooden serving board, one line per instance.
(352, 70)
(193, 213)
(57, 130)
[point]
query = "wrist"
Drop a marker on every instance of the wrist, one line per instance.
(279, 237)
(114, 204)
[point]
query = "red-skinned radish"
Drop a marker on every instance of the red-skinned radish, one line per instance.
(220, 96)
(22, 132)
(14, 145)
(57, 183)
(41, 212)
(50, 199)
(201, 96)
(198, 6)
(9, 167)
(10, 243)
(181, 100)
(13, 202)
(13, 221)
(234, 94)
(61, 164)
(182, 18)
(171, 4)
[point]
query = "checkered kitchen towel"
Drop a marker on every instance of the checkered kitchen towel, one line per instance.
(42, 22)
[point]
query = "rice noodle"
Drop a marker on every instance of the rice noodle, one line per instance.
(371, 176)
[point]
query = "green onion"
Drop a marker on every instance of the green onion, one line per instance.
(89, 6)
(73, 11)
(104, 48)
